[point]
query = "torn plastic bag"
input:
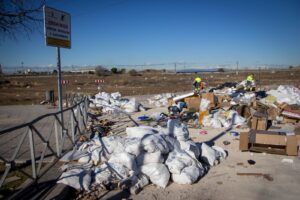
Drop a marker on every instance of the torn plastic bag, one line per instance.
(77, 178)
(157, 173)
(177, 129)
(109, 171)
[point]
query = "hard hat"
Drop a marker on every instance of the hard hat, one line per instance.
(198, 79)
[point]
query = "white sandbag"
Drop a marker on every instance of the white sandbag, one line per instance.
(177, 160)
(109, 143)
(131, 106)
(85, 159)
(181, 132)
(173, 143)
(98, 155)
(125, 159)
(103, 176)
(73, 155)
(77, 178)
(116, 95)
(220, 152)
(191, 148)
(158, 173)
(188, 175)
(132, 145)
(152, 143)
(146, 158)
(208, 154)
(140, 131)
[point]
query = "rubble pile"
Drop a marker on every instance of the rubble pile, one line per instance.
(145, 155)
(166, 153)
(109, 103)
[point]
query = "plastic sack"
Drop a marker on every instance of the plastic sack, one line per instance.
(220, 152)
(173, 143)
(204, 104)
(146, 158)
(77, 178)
(157, 173)
(177, 160)
(188, 175)
(125, 159)
(109, 143)
(132, 145)
(208, 154)
(84, 159)
(116, 95)
(177, 129)
(140, 131)
(152, 143)
(131, 106)
(191, 148)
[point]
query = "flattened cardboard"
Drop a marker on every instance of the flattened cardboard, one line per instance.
(244, 141)
(193, 102)
(291, 146)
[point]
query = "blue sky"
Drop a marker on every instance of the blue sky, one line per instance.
(160, 31)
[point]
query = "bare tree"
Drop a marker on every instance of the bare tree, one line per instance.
(20, 16)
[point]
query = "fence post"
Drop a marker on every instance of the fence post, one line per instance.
(79, 118)
(72, 125)
(56, 137)
(32, 152)
(85, 104)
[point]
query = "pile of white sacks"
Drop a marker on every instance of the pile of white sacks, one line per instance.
(224, 119)
(144, 155)
(160, 100)
(109, 103)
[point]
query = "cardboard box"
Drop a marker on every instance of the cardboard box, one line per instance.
(211, 97)
(273, 113)
(259, 121)
(290, 120)
(193, 103)
(269, 141)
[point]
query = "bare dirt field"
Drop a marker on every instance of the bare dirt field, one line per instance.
(30, 89)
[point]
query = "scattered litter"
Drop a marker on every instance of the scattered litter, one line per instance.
(226, 142)
(251, 162)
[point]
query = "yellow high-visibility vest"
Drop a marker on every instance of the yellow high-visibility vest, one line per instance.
(250, 78)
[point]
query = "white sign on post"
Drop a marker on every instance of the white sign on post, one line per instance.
(57, 27)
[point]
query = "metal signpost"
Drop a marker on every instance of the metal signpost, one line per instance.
(66, 83)
(57, 27)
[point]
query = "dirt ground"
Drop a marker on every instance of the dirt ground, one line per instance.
(31, 89)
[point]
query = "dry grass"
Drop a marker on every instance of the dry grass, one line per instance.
(31, 89)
